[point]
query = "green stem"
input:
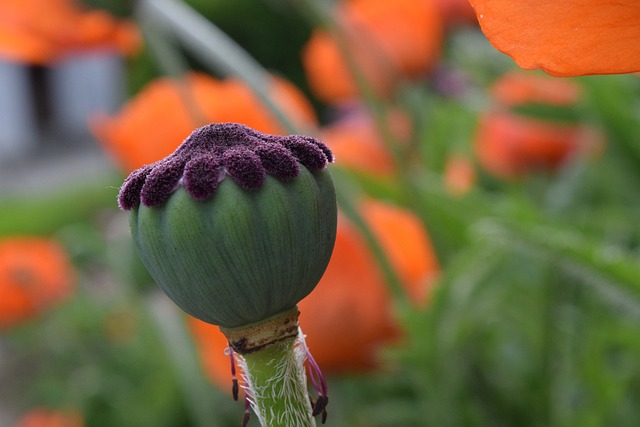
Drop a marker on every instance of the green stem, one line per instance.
(272, 353)
(277, 385)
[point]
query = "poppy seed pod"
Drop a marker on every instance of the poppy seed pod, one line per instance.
(236, 226)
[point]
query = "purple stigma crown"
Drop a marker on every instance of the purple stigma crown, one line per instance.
(216, 150)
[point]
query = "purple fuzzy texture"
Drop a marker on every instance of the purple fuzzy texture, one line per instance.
(129, 196)
(201, 176)
(278, 161)
(244, 166)
(307, 153)
(162, 181)
(222, 149)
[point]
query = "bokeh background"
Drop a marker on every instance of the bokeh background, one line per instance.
(486, 269)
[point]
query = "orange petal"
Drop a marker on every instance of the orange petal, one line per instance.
(348, 317)
(521, 87)
(44, 417)
(39, 31)
(386, 40)
(510, 146)
(236, 102)
(152, 124)
(34, 274)
(459, 175)
(358, 146)
(407, 244)
(98, 29)
(330, 77)
(565, 37)
(22, 46)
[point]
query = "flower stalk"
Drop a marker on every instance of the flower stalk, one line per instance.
(276, 385)
(272, 356)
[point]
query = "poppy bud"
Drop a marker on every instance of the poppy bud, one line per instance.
(236, 226)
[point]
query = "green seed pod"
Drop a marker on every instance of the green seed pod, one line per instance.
(233, 252)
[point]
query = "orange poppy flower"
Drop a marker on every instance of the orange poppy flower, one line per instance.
(348, 317)
(43, 417)
(98, 29)
(387, 41)
(517, 88)
(510, 144)
(459, 175)
(565, 37)
(36, 31)
(357, 144)
(34, 274)
(157, 120)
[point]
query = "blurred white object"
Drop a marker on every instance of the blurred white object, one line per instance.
(83, 85)
(18, 127)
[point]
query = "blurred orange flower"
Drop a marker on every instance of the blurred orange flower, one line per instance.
(348, 317)
(35, 273)
(157, 119)
(43, 417)
(510, 144)
(386, 40)
(36, 31)
(357, 144)
(516, 88)
(565, 37)
(459, 175)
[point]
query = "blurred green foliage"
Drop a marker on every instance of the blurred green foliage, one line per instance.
(43, 214)
(120, 8)
(272, 32)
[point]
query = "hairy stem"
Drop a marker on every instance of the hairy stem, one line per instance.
(276, 385)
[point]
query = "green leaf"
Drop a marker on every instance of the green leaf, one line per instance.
(609, 269)
(45, 214)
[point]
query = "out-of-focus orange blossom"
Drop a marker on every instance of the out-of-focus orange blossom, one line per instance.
(357, 142)
(516, 88)
(565, 37)
(35, 274)
(459, 175)
(386, 40)
(38, 32)
(348, 317)
(510, 144)
(153, 123)
(44, 417)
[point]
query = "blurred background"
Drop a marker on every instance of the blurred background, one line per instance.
(486, 269)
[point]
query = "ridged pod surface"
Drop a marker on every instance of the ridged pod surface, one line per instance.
(252, 247)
